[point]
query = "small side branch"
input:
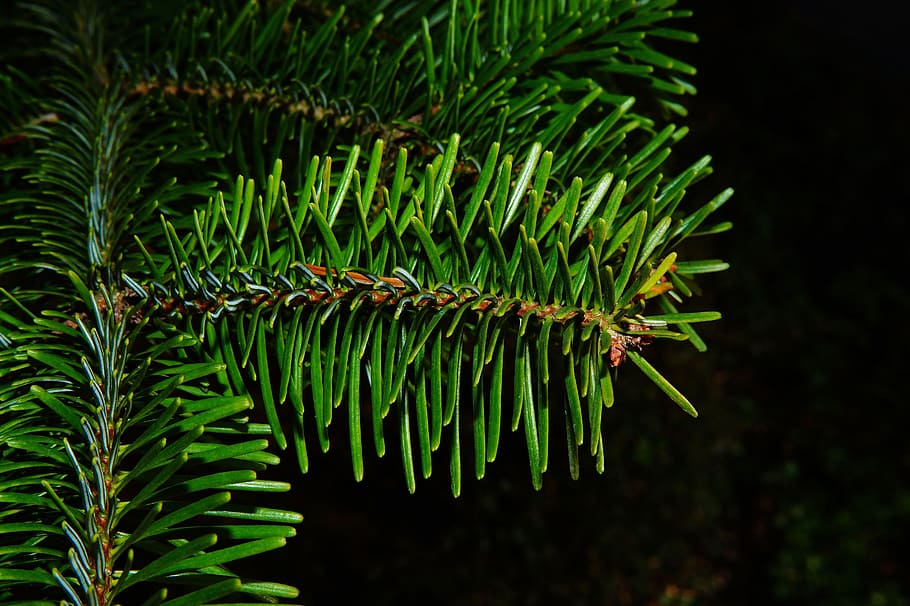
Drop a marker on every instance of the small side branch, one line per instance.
(327, 289)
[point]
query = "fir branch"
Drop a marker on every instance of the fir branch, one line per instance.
(526, 89)
(356, 289)
(92, 404)
(303, 272)
(334, 113)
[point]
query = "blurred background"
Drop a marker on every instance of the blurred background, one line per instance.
(792, 486)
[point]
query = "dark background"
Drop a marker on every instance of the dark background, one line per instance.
(791, 487)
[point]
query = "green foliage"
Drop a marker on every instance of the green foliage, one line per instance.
(227, 224)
